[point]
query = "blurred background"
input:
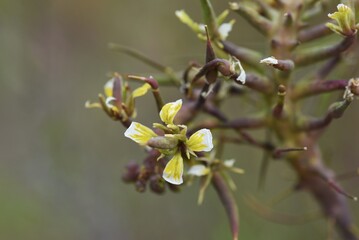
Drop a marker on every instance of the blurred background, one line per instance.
(61, 164)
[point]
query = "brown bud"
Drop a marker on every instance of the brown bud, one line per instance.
(174, 188)
(140, 186)
(281, 90)
(132, 172)
(157, 184)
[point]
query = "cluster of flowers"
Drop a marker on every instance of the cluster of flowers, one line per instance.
(173, 142)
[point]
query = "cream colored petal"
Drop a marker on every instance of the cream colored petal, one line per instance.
(229, 163)
(138, 92)
(236, 64)
(343, 8)
(242, 75)
(109, 87)
(269, 61)
(198, 170)
(174, 170)
(109, 101)
(225, 29)
(89, 104)
(169, 111)
(200, 141)
(139, 133)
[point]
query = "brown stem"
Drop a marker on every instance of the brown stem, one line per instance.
(311, 171)
(315, 88)
(228, 202)
(313, 33)
(335, 111)
(259, 22)
(256, 83)
(277, 111)
(239, 123)
(245, 55)
(316, 55)
(328, 67)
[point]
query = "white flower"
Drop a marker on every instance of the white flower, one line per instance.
(198, 170)
(198, 142)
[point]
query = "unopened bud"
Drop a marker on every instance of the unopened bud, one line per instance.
(352, 89)
(157, 184)
(345, 19)
(174, 188)
(140, 186)
(162, 142)
(336, 110)
(117, 90)
(281, 90)
(132, 172)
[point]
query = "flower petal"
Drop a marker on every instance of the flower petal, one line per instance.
(169, 111)
(225, 29)
(89, 104)
(138, 92)
(269, 61)
(229, 163)
(139, 133)
(108, 88)
(200, 141)
(242, 76)
(174, 170)
(198, 170)
(236, 64)
(109, 101)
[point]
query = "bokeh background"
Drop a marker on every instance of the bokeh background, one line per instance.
(61, 164)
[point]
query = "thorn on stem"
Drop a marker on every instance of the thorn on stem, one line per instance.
(278, 153)
(337, 188)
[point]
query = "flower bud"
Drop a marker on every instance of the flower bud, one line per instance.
(352, 89)
(174, 188)
(162, 142)
(345, 19)
(140, 186)
(132, 172)
(157, 184)
(336, 110)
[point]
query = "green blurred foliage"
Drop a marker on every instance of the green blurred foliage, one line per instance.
(60, 169)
